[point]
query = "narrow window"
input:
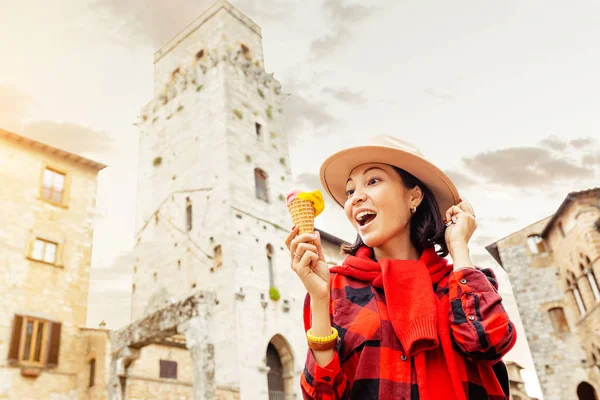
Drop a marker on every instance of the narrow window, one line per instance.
(168, 369)
(559, 322)
(578, 300)
(260, 181)
(259, 128)
(53, 186)
(246, 51)
(270, 259)
(218, 255)
(44, 250)
(188, 214)
(593, 284)
(92, 372)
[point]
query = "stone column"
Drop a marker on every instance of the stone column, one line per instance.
(202, 352)
(117, 378)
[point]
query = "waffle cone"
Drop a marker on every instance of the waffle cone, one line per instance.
(303, 215)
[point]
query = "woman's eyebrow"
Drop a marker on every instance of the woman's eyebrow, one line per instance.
(365, 171)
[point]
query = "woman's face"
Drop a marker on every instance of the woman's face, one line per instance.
(378, 205)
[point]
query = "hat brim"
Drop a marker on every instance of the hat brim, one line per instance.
(336, 169)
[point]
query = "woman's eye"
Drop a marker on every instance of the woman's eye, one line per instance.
(349, 192)
(373, 180)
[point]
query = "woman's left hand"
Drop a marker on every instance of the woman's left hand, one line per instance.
(463, 224)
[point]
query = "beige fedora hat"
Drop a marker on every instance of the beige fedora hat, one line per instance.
(387, 149)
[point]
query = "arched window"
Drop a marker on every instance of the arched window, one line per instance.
(271, 271)
(574, 288)
(589, 272)
(260, 183)
(188, 214)
(585, 391)
(536, 244)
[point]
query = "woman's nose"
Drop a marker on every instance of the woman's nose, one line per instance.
(358, 195)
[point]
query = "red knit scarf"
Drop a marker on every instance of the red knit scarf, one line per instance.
(418, 317)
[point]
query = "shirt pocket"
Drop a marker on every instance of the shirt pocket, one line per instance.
(358, 322)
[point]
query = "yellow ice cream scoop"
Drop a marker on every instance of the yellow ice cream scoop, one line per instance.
(304, 207)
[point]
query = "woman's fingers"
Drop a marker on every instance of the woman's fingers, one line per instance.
(319, 246)
(291, 236)
(307, 259)
(466, 207)
(452, 213)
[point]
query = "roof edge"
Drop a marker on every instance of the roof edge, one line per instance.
(44, 147)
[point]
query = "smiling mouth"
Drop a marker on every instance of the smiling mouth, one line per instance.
(366, 218)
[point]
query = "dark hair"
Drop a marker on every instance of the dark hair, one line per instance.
(427, 226)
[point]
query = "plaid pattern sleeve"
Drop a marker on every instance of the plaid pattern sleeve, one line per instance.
(322, 382)
(480, 326)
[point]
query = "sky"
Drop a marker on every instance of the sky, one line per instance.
(503, 96)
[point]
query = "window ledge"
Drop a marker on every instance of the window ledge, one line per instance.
(45, 262)
(30, 371)
(54, 203)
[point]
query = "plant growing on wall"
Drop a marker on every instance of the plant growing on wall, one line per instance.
(274, 293)
(157, 161)
(238, 114)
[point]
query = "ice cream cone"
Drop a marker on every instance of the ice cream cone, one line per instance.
(303, 215)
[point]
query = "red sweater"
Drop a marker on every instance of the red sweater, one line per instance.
(379, 359)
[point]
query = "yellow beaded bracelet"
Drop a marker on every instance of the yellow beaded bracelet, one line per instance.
(322, 339)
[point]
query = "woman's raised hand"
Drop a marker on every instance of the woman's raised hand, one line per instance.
(309, 264)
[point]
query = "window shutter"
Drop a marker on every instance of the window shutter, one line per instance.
(53, 344)
(15, 339)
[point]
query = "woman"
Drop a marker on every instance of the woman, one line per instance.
(396, 320)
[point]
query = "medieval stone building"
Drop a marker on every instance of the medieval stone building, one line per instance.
(554, 269)
(47, 203)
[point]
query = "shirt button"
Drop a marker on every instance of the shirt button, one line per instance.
(472, 318)
(463, 281)
(403, 358)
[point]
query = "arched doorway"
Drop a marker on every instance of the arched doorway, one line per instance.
(281, 369)
(585, 391)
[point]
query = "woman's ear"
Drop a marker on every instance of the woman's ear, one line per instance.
(416, 195)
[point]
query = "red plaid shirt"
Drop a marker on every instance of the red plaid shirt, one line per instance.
(369, 362)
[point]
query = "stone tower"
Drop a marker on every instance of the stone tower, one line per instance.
(555, 270)
(211, 212)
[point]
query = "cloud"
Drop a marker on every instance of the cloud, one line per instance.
(554, 143)
(461, 180)
(345, 95)
(341, 17)
(303, 114)
(591, 159)
(71, 137)
(155, 21)
(525, 167)
(582, 143)
(14, 106)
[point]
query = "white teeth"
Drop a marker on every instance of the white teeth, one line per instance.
(361, 215)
